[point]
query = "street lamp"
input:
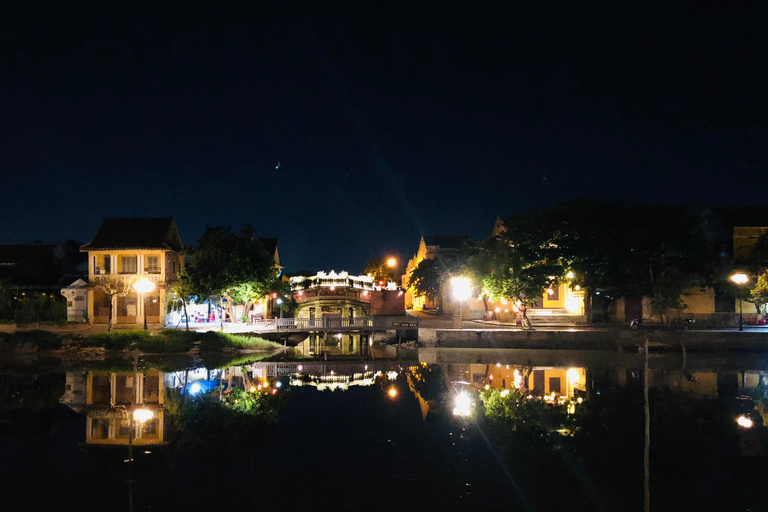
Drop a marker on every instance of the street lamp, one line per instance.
(391, 262)
(144, 286)
(462, 290)
(740, 280)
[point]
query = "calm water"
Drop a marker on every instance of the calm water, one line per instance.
(518, 430)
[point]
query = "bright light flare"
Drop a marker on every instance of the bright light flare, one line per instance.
(195, 389)
(391, 262)
(144, 285)
(463, 404)
(739, 278)
(392, 392)
(462, 288)
(745, 421)
(142, 415)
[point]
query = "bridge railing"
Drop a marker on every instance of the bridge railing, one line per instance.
(327, 323)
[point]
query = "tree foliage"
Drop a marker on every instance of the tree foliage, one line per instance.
(378, 269)
(426, 279)
(225, 264)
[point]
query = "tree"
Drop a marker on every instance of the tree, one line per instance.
(759, 294)
(506, 271)
(113, 288)
(183, 292)
(380, 271)
(228, 265)
(427, 278)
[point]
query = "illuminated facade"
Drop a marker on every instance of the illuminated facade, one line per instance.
(126, 251)
(439, 247)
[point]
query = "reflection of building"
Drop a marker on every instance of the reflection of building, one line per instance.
(127, 250)
(110, 397)
(567, 383)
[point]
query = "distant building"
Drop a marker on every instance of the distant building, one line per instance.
(36, 273)
(77, 301)
(127, 250)
(441, 248)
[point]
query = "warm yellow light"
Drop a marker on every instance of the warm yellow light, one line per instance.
(577, 287)
(142, 415)
(744, 421)
(462, 288)
(392, 392)
(569, 275)
(253, 389)
(739, 278)
(573, 375)
(391, 262)
(144, 285)
(550, 291)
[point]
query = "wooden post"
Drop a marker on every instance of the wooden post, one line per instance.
(647, 449)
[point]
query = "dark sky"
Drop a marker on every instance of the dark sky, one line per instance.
(387, 122)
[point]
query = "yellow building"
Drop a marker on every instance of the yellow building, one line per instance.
(110, 397)
(440, 247)
(124, 251)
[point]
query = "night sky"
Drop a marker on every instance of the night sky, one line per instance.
(387, 120)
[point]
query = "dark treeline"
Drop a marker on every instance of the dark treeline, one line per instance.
(608, 248)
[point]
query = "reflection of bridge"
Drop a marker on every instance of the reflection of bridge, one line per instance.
(336, 324)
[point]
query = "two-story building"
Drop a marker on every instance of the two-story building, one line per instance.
(126, 250)
(440, 248)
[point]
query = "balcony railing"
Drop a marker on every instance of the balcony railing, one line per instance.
(336, 323)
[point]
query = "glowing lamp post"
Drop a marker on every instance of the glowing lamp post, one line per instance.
(144, 286)
(462, 290)
(740, 280)
(391, 262)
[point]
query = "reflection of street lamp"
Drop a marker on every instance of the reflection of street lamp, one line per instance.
(462, 290)
(740, 280)
(139, 416)
(144, 286)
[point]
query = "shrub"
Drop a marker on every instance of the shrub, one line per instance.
(116, 340)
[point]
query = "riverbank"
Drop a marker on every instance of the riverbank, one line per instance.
(167, 341)
(608, 340)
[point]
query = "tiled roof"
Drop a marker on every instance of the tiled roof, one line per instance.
(136, 233)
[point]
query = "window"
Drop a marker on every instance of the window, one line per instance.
(128, 265)
(107, 264)
(554, 385)
(153, 265)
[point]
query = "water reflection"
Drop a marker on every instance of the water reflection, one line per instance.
(496, 435)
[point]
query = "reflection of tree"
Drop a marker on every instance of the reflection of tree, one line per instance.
(599, 462)
(427, 381)
(240, 419)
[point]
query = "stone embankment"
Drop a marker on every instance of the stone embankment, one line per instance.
(605, 340)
